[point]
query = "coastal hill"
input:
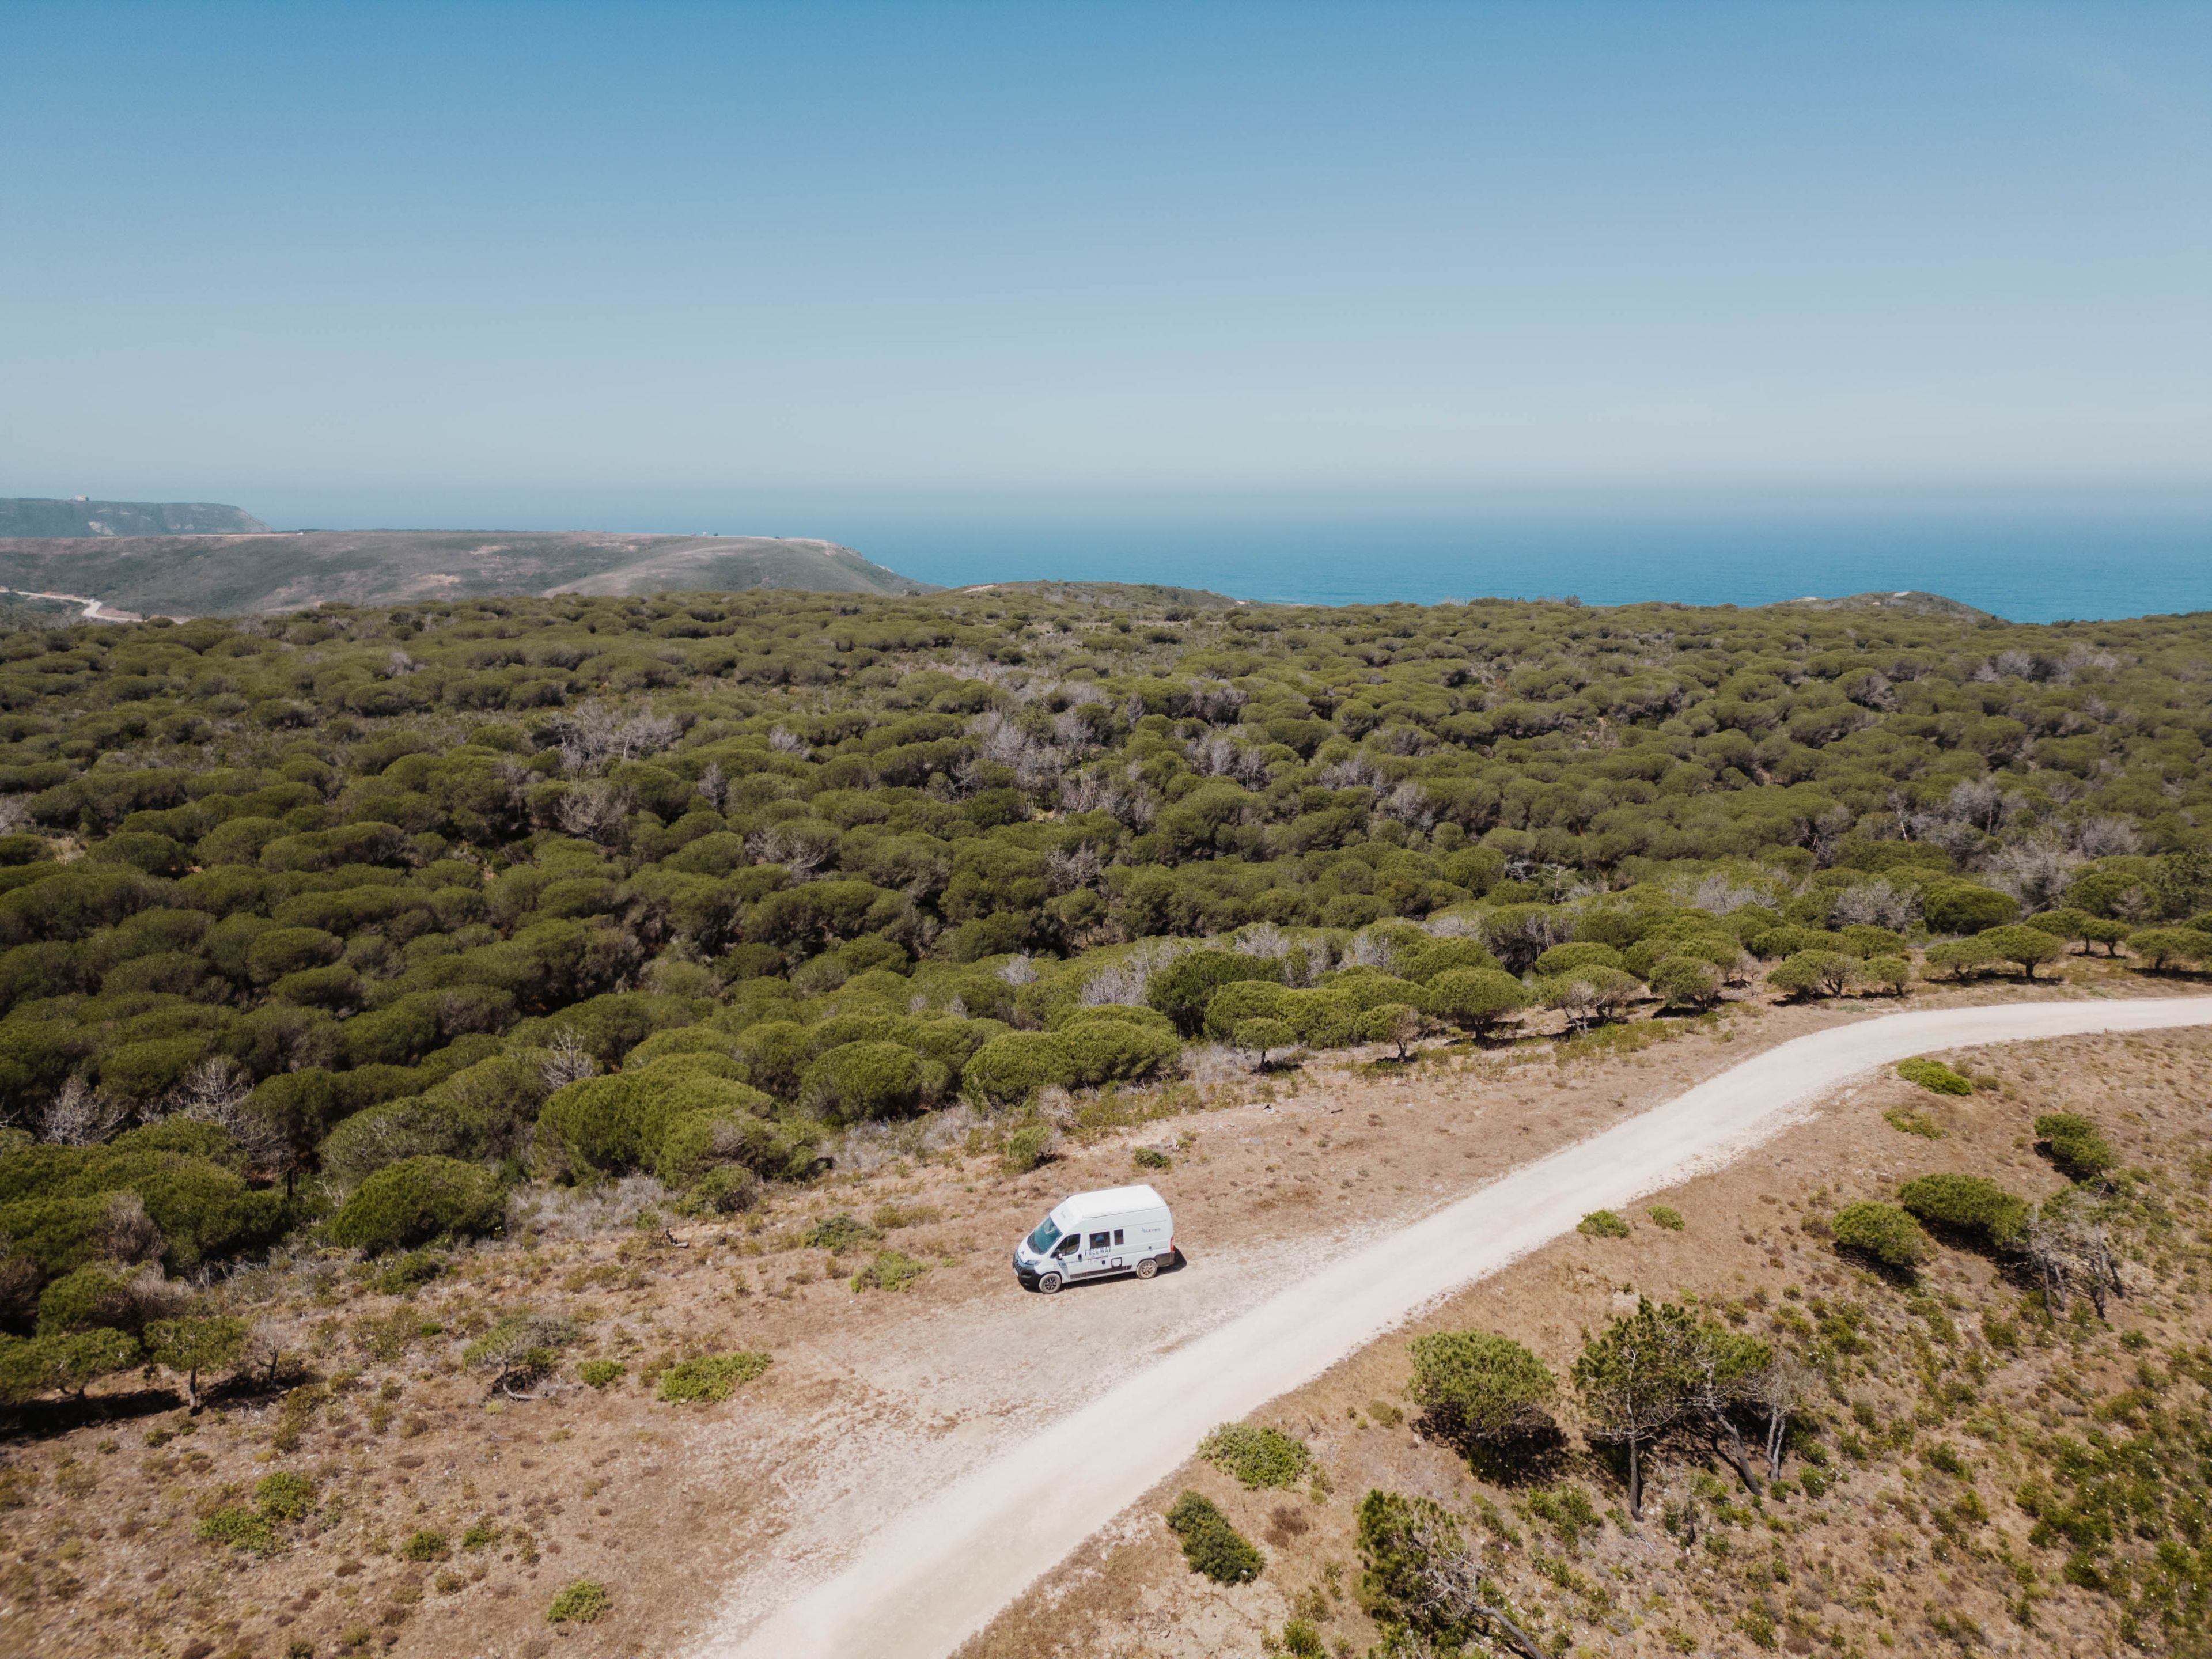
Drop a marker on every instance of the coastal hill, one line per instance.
(41, 519)
(1110, 596)
(271, 571)
(1911, 602)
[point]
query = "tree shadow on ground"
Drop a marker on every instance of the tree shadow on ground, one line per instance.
(1536, 1457)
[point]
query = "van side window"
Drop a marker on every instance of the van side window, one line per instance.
(1098, 1240)
(1070, 1245)
(1117, 1235)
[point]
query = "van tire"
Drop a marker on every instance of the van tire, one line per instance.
(1049, 1284)
(1148, 1267)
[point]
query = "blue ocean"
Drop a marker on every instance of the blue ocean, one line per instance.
(2040, 568)
(2066, 556)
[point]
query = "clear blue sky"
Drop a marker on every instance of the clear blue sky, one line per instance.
(401, 257)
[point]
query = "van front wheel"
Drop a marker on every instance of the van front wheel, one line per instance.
(1049, 1284)
(1148, 1267)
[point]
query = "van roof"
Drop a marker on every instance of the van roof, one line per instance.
(1109, 1200)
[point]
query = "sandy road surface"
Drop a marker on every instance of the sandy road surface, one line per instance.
(934, 1574)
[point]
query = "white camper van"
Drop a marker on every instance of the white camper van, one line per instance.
(1119, 1230)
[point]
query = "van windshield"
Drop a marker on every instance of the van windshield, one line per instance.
(1046, 1236)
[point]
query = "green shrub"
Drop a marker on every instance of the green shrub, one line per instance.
(94, 1295)
(1369, 989)
(2061, 924)
(1952, 906)
(1666, 1216)
(1112, 1013)
(1884, 1232)
(521, 1348)
(859, 1081)
(415, 1200)
(2076, 1146)
(1183, 988)
(580, 1603)
(157, 856)
(1779, 942)
(1686, 982)
(1324, 1019)
(1478, 1386)
(1892, 974)
(2024, 947)
(1259, 1037)
(426, 1546)
(1210, 1544)
(284, 1496)
(1867, 943)
(189, 1347)
(1398, 1023)
(72, 1361)
(241, 1529)
(1475, 998)
(890, 1270)
(409, 1273)
(836, 1232)
(413, 1126)
(2163, 948)
(611, 1124)
(601, 1373)
(1008, 1070)
(1959, 957)
(1028, 1147)
(1578, 956)
(1115, 1051)
(681, 1040)
(285, 951)
(1242, 999)
(735, 1145)
(1403, 1543)
(1151, 1158)
(18, 849)
(1815, 974)
(480, 1533)
(1603, 1223)
(1970, 1204)
(1256, 1456)
(1913, 1123)
(726, 1190)
(711, 1376)
(1934, 1076)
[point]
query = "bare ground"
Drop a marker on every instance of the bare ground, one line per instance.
(701, 1518)
(1877, 1565)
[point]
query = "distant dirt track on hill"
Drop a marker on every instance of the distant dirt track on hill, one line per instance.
(936, 1574)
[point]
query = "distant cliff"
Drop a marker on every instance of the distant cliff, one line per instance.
(34, 518)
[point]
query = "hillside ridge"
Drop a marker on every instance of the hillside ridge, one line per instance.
(41, 518)
(295, 570)
(1911, 601)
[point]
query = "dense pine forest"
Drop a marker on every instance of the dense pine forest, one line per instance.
(346, 929)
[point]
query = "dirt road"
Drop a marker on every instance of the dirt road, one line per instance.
(935, 1573)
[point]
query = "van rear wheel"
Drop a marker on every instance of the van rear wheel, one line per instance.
(1148, 1267)
(1049, 1284)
